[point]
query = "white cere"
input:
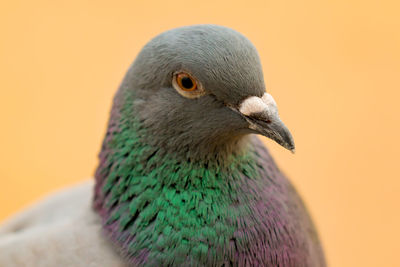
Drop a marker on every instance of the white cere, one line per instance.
(255, 104)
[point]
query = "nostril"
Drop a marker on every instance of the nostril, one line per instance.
(262, 116)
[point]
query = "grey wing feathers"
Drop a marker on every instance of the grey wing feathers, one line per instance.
(61, 230)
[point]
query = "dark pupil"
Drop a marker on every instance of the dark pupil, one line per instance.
(187, 82)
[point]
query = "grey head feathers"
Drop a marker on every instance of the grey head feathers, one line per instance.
(222, 59)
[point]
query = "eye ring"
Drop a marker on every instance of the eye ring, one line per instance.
(187, 85)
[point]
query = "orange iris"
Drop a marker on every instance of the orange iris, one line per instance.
(186, 82)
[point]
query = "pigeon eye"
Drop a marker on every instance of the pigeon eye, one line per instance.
(187, 85)
(186, 82)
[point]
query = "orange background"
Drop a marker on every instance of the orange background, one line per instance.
(332, 66)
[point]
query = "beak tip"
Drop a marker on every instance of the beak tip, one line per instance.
(290, 146)
(288, 141)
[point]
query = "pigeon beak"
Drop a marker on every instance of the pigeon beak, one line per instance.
(262, 115)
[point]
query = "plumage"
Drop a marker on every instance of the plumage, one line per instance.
(181, 180)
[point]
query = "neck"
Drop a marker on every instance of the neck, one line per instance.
(158, 204)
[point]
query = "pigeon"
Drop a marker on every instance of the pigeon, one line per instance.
(182, 179)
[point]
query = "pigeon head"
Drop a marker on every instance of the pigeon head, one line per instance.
(199, 90)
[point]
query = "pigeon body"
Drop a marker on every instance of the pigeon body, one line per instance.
(181, 180)
(61, 230)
